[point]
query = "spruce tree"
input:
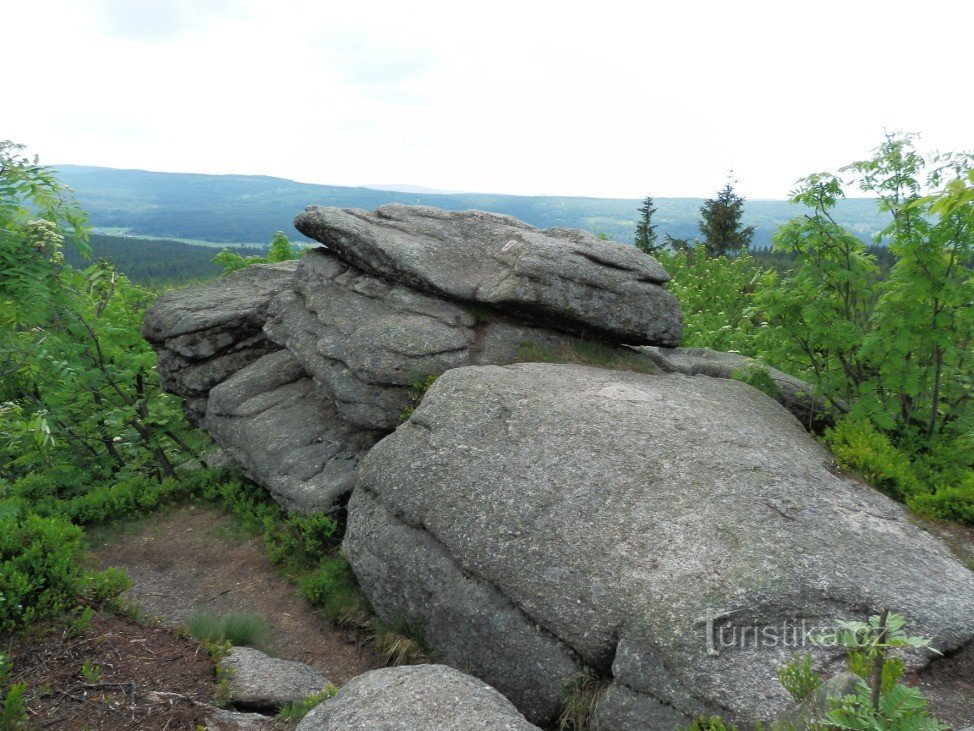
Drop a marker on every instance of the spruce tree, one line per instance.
(645, 230)
(720, 224)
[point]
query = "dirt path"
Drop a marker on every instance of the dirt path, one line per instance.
(194, 559)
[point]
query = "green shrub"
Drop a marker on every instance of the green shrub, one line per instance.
(858, 447)
(13, 710)
(41, 571)
(301, 540)
(333, 588)
(243, 629)
(756, 375)
(954, 502)
(798, 678)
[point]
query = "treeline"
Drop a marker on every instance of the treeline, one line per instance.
(243, 208)
(155, 263)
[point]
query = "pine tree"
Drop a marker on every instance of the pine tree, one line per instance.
(720, 224)
(645, 230)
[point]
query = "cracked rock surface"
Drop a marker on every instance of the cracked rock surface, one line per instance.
(533, 520)
(566, 278)
(296, 369)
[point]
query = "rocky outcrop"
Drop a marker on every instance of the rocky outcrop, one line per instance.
(535, 520)
(566, 278)
(206, 333)
(297, 369)
(417, 698)
(284, 435)
(261, 682)
(799, 397)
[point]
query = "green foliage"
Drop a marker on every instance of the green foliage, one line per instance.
(756, 375)
(718, 297)
(238, 628)
(645, 239)
(720, 224)
(798, 678)
(886, 334)
(902, 708)
(41, 569)
(13, 709)
(301, 540)
(296, 710)
(280, 249)
(90, 672)
(859, 447)
(880, 702)
(333, 588)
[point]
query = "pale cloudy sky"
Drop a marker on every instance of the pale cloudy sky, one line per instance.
(600, 98)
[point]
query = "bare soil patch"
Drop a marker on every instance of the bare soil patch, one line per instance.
(196, 559)
(135, 677)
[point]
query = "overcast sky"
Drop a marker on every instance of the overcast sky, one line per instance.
(605, 98)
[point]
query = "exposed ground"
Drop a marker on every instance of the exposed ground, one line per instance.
(117, 674)
(196, 559)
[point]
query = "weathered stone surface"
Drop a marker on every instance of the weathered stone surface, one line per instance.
(221, 719)
(416, 698)
(366, 341)
(269, 420)
(259, 681)
(563, 278)
(793, 393)
(205, 333)
(563, 515)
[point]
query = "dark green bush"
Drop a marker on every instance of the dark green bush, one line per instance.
(860, 448)
(41, 569)
(301, 540)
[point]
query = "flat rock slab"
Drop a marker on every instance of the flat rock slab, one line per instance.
(531, 520)
(263, 682)
(416, 698)
(221, 719)
(563, 278)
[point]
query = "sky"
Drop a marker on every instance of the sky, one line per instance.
(605, 99)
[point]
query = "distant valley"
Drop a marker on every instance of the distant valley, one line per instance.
(248, 209)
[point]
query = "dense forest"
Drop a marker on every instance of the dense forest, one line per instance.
(88, 436)
(154, 263)
(243, 209)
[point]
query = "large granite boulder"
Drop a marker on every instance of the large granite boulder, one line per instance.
(417, 698)
(535, 522)
(564, 278)
(297, 368)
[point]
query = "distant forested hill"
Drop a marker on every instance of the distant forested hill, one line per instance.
(154, 263)
(250, 208)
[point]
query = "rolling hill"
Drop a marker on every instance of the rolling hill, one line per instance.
(247, 209)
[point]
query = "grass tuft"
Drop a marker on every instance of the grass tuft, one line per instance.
(238, 628)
